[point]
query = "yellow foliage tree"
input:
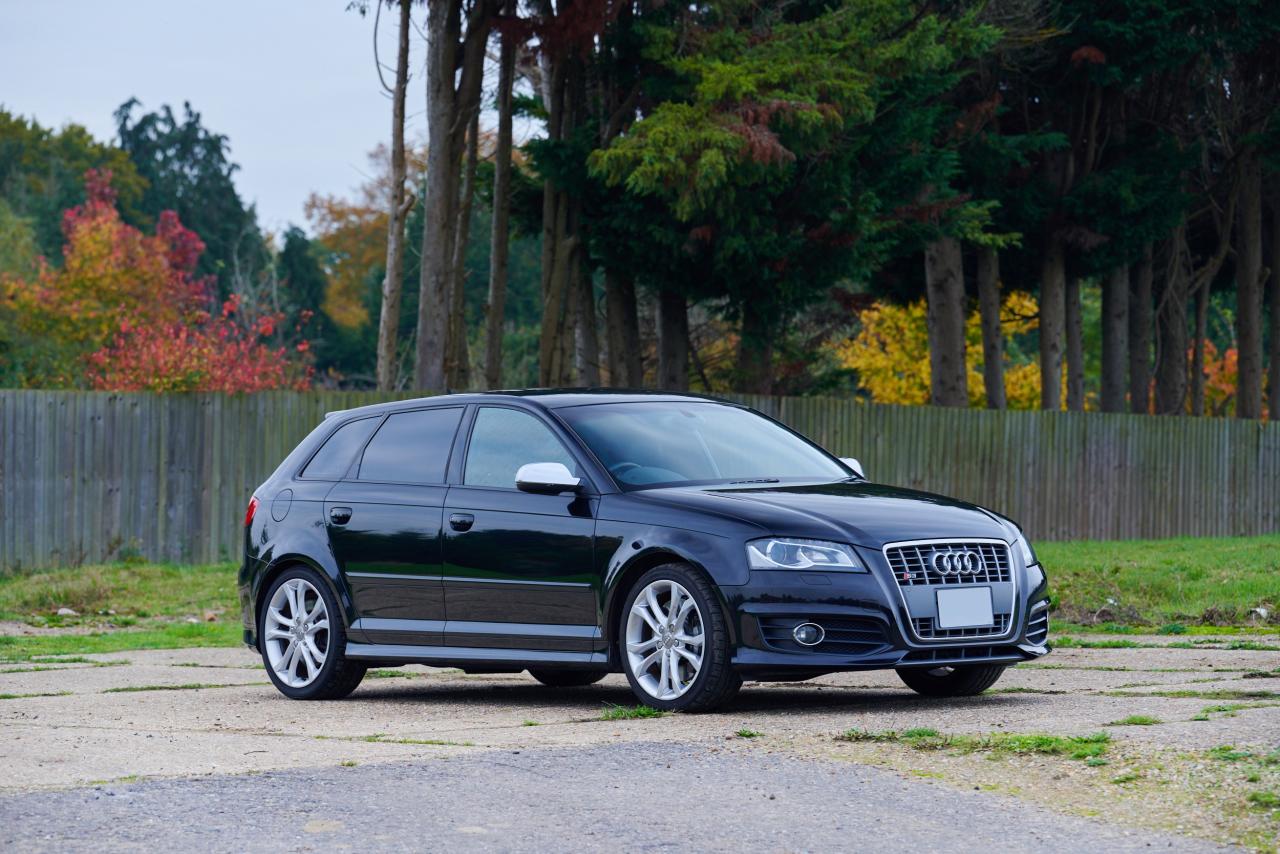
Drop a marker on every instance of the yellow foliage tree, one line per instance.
(891, 353)
(355, 233)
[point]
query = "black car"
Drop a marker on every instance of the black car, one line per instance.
(688, 542)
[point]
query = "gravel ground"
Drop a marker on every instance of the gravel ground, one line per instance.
(638, 796)
(209, 714)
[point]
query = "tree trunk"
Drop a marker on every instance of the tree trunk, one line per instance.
(1115, 338)
(1075, 345)
(1197, 350)
(449, 112)
(397, 210)
(457, 357)
(1140, 334)
(1273, 291)
(944, 280)
(1052, 306)
(626, 370)
(1249, 284)
(755, 351)
(499, 239)
(1171, 331)
(992, 333)
(587, 340)
(561, 244)
(673, 342)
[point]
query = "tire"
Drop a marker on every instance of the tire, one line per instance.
(713, 682)
(963, 681)
(302, 677)
(568, 678)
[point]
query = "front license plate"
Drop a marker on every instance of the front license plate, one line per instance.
(965, 609)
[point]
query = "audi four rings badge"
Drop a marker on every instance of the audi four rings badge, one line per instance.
(964, 562)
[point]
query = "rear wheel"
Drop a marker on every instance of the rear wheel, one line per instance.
(675, 643)
(963, 681)
(568, 678)
(303, 640)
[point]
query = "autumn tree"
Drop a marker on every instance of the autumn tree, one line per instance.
(129, 310)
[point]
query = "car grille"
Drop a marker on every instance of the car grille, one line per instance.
(844, 636)
(926, 630)
(1038, 627)
(911, 563)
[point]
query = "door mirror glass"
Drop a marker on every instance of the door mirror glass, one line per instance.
(852, 463)
(546, 477)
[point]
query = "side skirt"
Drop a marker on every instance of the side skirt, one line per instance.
(461, 656)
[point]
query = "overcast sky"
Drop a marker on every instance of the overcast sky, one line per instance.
(291, 83)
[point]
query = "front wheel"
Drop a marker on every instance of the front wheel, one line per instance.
(675, 642)
(964, 681)
(303, 641)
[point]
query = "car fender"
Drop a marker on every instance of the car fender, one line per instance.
(639, 549)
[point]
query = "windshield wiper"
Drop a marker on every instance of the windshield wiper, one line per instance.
(755, 480)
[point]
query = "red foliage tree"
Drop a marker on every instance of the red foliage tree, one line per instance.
(128, 311)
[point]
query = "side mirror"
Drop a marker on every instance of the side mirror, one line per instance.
(546, 477)
(855, 465)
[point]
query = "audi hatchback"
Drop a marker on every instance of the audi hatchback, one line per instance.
(687, 542)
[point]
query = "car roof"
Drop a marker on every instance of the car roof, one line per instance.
(546, 398)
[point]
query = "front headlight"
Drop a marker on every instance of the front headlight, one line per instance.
(792, 553)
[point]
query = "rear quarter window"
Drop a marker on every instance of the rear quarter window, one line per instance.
(334, 457)
(412, 447)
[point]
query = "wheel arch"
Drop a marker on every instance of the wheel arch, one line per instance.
(283, 563)
(623, 578)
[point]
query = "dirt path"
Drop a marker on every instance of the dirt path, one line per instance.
(183, 713)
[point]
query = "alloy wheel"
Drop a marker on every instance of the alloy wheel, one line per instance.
(296, 633)
(665, 639)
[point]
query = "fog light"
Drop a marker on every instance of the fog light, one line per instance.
(808, 634)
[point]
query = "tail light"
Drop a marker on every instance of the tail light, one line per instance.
(250, 510)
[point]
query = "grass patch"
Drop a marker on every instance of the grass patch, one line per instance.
(926, 738)
(1127, 777)
(748, 733)
(1228, 753)
(29, 696)
(1137, 720)
(388, 673)
(137, 590)
(529, 723)
(1264, 800)
(130, 605)
(627, 713)
(58, 664)
(1069, 642)
(164, 636)
(190, 686)
(1186, 581)
(1189, 694)
(348, 763)
(383, 738)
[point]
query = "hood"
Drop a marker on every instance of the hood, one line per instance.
(857, 512)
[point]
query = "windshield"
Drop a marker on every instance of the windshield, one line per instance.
(648, 443)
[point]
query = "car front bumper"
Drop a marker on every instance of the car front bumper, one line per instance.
(868, 623)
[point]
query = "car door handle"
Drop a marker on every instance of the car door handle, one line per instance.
(461, 521)
(340, 515)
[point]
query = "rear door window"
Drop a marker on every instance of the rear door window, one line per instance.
(334, 457)
(412, 447)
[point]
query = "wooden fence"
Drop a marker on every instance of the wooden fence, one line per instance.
(91, 476)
